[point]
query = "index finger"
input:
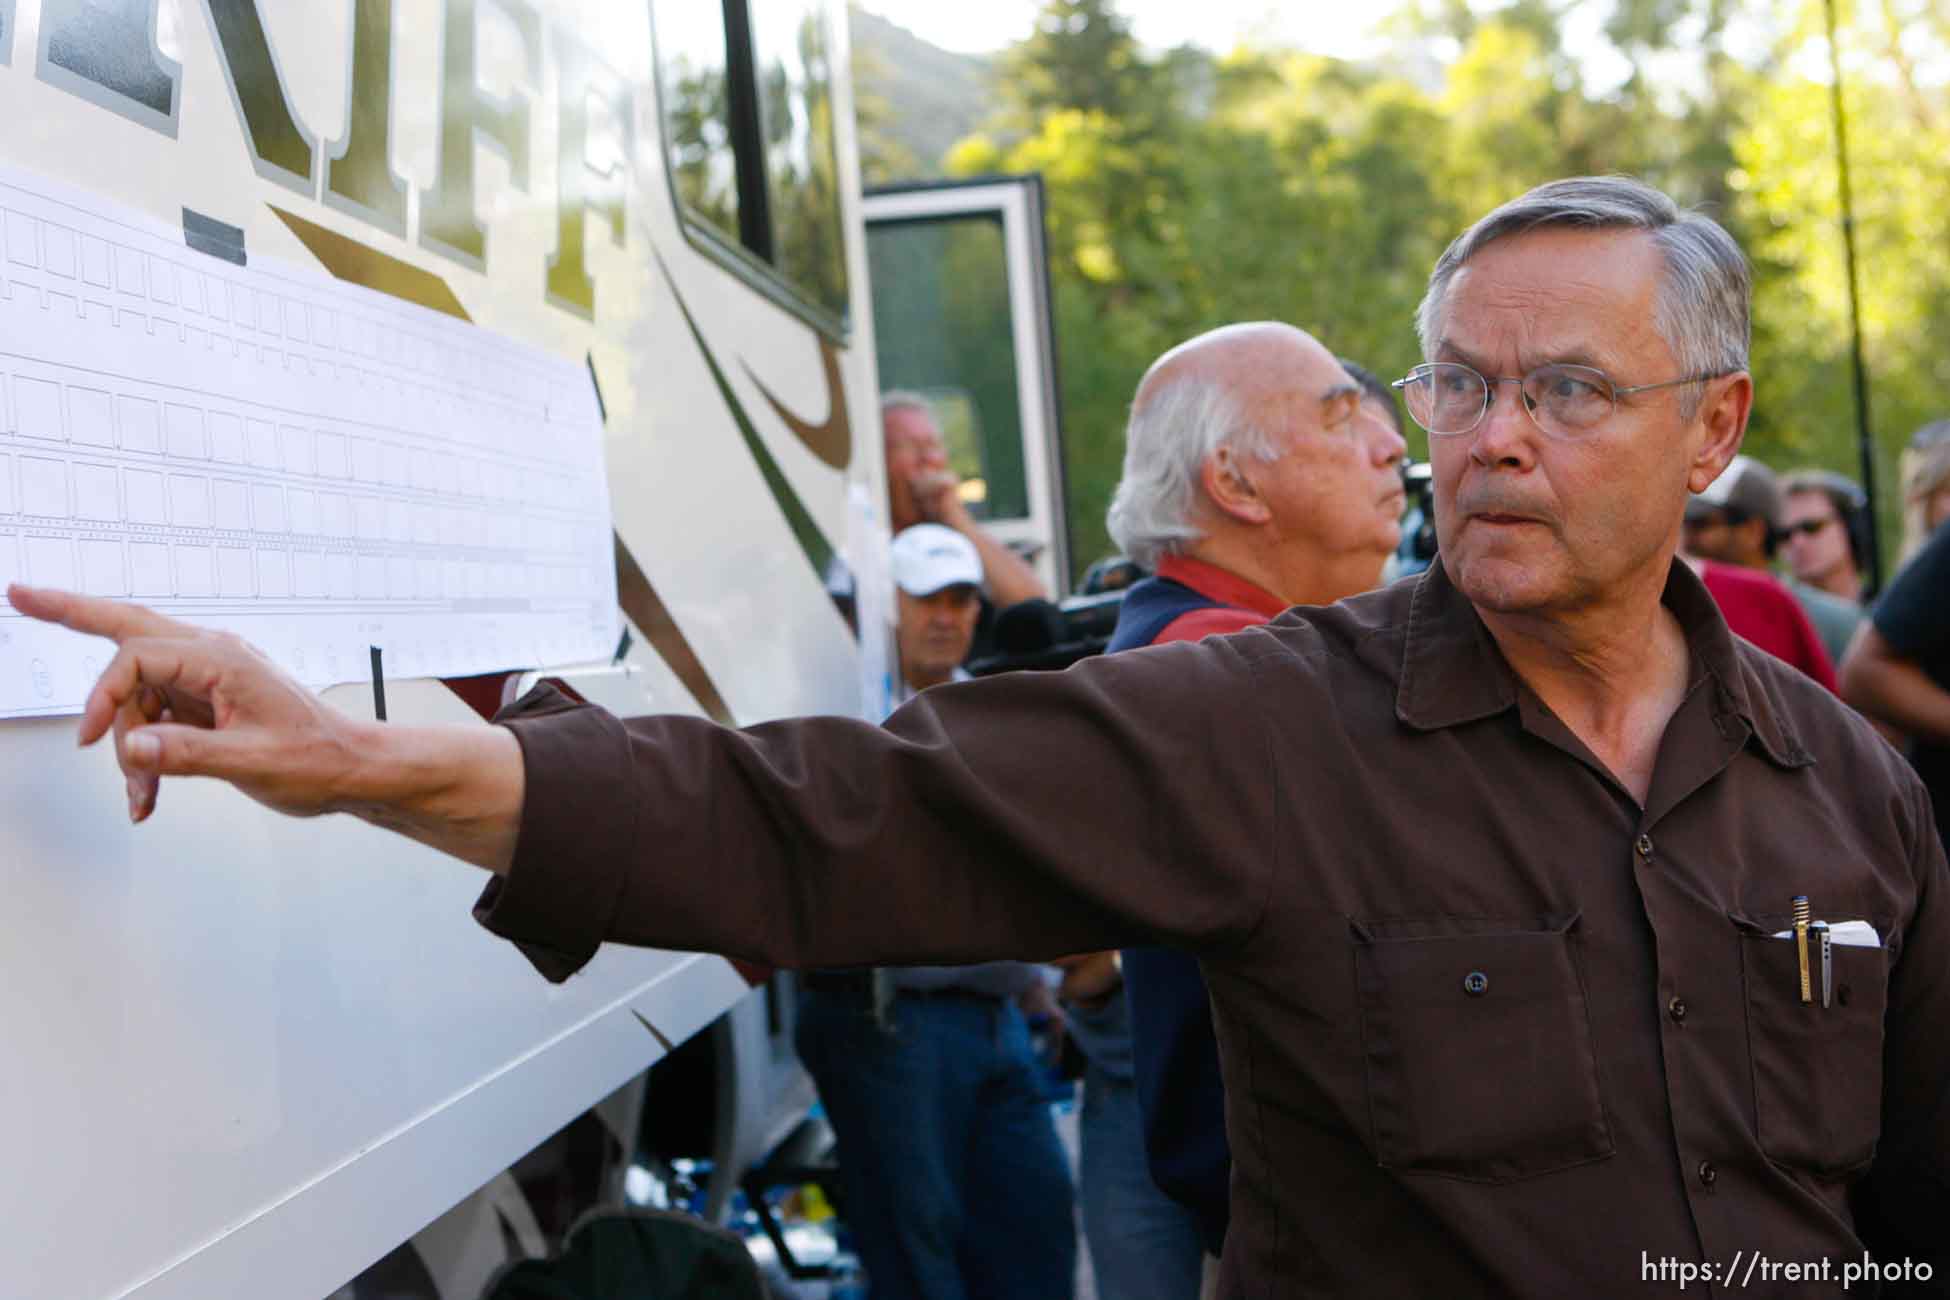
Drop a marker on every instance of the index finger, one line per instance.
(114, 619)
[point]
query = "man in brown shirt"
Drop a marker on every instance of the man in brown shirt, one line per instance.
(1484, 870)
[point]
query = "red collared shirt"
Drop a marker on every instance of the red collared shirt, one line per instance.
(1242, 604)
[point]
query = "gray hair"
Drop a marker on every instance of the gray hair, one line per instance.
(902, 399)
(1702, 306)
(1170, 436)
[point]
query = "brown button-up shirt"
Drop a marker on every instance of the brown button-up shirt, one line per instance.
(1488, 1026)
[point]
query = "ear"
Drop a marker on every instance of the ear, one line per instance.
(1230, 490)
(1722, 421)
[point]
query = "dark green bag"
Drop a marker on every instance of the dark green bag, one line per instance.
(636, 1255)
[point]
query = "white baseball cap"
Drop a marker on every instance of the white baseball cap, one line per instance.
(928, 557)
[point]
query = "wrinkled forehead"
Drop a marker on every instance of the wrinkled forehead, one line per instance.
(1587, 297)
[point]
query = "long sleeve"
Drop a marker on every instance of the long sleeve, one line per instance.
(1127, 800)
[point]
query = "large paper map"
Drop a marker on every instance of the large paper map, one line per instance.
(315, 466)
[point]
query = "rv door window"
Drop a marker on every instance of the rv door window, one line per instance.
(943, 328)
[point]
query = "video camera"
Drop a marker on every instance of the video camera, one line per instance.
(1050, 635)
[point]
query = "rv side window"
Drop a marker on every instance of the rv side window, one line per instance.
(752, 145)
(693, 81)
(793, 42)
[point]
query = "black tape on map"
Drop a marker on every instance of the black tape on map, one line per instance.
(378, 686)
(602, 407)
(208, 235)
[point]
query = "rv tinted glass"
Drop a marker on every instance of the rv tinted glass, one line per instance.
(793, 50)
(695, 83)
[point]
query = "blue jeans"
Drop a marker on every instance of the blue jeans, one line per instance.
(1143, 1244)
(955, 1184)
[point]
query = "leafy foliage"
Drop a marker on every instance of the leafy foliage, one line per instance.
(1188, 190)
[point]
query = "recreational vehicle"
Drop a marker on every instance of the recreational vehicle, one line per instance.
(307, 312)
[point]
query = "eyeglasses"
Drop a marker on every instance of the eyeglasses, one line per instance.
(1805, 528)
(1564, 401)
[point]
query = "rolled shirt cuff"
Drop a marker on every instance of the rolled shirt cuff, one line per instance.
(578, 833)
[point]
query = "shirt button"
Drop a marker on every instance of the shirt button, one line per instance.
(1644, 846)
(1676, 1009)
(1476, 984)
(1707, 1173)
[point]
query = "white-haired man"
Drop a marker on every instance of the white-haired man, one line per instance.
(1488, 872)
(1258, 475)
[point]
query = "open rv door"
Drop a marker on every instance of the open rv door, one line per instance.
(961, 306)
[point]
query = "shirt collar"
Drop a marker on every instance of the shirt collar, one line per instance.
(1453, 672)
(1218, 584)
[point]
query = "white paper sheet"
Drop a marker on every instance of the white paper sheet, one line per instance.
(313, 465)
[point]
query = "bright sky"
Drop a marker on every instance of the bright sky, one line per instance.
(988, 25)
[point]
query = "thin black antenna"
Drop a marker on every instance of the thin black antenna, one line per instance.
(1865, 442)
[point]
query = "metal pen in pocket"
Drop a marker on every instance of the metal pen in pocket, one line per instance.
(1827, 947)
(1801, 945)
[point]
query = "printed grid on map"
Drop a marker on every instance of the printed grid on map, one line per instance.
(315, 466)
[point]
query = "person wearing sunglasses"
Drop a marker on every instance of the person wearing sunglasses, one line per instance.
(1484, 869)
(1824, 533)
(1729, 536)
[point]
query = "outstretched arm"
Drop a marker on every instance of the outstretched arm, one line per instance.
(182, 701)
(1025, 816)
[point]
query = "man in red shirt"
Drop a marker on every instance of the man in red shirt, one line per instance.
(1761, 609)
(1728, 538)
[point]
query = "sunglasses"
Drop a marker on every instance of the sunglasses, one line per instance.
(1806, 528)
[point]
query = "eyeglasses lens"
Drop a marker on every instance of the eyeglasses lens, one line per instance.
(1447, 398)
(1568, 399)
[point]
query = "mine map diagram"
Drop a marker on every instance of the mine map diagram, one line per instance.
(316, 466)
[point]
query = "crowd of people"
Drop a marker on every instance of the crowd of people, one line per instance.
(1438, 937)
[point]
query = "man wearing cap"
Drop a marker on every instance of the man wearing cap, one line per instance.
(1729, 534)
(955, 1182)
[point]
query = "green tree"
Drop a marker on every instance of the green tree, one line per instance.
(1187, 191)
(1787, 181)
(1081, 55)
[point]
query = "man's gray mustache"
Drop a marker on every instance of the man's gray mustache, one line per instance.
(1493, 504)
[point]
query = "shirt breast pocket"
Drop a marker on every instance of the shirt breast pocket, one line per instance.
(1479, 1056)
(1817, 1070)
